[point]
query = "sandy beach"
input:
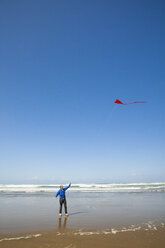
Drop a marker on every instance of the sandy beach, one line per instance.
(92, 238)
(26, 212)
(95, 220)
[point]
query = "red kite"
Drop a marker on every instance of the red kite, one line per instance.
(119, 102)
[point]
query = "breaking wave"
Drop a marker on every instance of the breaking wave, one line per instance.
(131, 187)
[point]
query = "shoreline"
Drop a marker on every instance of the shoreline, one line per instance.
(79, 238)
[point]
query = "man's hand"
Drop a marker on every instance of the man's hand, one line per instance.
(70, 183)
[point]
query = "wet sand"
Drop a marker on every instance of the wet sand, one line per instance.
(83, 239)
(95, 220)
(39, 212)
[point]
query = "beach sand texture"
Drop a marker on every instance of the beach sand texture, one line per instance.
(52, 239)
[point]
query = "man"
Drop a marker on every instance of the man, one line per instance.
(61, 192)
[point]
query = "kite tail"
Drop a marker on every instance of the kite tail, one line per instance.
(134, 102)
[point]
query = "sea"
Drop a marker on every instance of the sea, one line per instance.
(105, 187)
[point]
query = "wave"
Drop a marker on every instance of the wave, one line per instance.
(21, 237)
(130, 187)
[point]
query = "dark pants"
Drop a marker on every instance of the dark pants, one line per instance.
(63, 201)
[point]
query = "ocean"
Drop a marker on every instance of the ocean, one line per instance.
(122, 187)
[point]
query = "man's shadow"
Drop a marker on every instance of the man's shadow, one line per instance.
(60, 226)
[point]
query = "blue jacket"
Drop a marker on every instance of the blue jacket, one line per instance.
(62, 192)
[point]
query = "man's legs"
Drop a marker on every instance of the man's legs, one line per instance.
(65, 205)
(61, 202)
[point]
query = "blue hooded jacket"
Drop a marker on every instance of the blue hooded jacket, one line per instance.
(62, 192)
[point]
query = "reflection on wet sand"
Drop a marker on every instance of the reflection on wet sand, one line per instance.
(60, 226)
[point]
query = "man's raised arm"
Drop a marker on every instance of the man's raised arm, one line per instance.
(67, 187)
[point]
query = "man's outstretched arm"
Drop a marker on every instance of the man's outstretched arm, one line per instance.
(67, 187)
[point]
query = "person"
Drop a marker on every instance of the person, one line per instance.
(62, 199)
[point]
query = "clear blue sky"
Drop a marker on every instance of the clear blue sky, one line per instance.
(63, 64)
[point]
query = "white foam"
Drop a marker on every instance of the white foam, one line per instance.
(113, 231)
(121, 187)
(22, 237)
(132, 228)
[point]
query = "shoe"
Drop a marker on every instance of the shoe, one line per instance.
(60, 215)
(66, 215)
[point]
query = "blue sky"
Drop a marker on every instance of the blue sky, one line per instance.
(63, 64)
